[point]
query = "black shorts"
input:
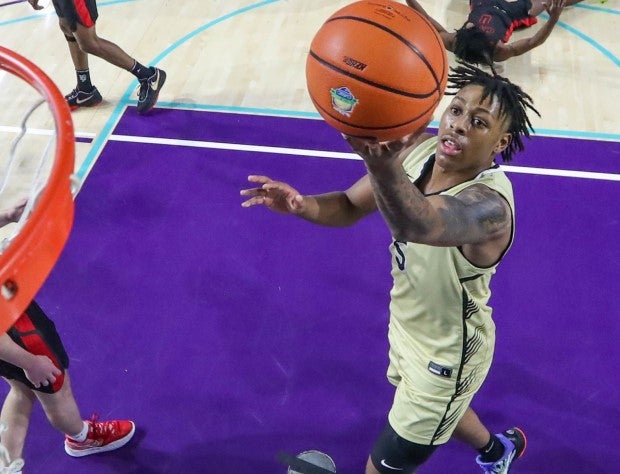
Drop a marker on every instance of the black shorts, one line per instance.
(392, 453)
(73, 12)
(36, 333)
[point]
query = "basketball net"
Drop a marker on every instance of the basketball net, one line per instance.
(36, 168)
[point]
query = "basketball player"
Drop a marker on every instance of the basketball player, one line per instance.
(450, 210)
(483, 39)
(77, 22)
(34, 363)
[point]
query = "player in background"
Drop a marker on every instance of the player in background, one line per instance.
(483, 38)
(77, 22)
(34, 363)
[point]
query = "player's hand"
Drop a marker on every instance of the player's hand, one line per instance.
(41, 371)
(12, 215)
(554, 8)
(35, 4)
(374, 152)
(276, 195)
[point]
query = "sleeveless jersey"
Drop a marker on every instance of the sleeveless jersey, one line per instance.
(441, 332)
(499, 18)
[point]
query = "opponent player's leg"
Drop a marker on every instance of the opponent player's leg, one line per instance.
(151, 79)
(15, 416)
(85, 93)
(82, 437)
(497, 451)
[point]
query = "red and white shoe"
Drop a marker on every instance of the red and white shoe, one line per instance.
(102, 436)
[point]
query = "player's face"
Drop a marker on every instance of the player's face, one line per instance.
(471, 131)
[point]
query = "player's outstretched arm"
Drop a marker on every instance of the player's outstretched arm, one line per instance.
(504, 51)
(338, 209)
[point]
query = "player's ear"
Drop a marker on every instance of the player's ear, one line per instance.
(502, 143)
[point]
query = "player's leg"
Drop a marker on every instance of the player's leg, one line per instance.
(151, 79)
(82, 437)
(15, 416)
(497, 451)
(84, 94)
(392, 453)
(61, 409)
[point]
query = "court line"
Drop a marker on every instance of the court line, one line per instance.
(595, 44)
(121, 106)
(338, 155)
(544, 132)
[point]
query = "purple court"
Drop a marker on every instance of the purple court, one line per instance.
(229, 335)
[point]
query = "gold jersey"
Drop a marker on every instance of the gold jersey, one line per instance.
(441, 332)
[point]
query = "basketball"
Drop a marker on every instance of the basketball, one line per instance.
(376, 69)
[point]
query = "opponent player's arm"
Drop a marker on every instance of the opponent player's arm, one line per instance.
(519, 47)
(447, 38)
(39, 369)
(13, 353)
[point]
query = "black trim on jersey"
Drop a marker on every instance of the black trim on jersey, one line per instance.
(463, 280)
(447, 419)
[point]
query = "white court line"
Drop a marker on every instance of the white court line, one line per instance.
(343, 156)
(44, 131)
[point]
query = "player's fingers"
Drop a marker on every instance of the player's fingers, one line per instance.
(251, 191)
(255, 178)
(277, 186)
(255, 201)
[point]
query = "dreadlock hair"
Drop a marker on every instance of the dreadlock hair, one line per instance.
(513, 102)
(472, 45)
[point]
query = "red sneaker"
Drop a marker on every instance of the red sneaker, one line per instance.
(102, 436)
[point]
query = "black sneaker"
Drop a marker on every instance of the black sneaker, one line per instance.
(149, 91)
(77, 98)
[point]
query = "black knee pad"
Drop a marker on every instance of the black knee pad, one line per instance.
(392, 453)
(70, 39)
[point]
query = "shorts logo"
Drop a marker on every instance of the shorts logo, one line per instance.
(384, 464)
(343, 101)
(440, 370)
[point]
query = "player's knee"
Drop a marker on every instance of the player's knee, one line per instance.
(90, 45)
(393, 453)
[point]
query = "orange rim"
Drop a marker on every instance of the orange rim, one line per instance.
(30, 257)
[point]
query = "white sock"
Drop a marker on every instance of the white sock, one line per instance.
(81, 436)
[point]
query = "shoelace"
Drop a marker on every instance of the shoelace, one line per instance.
(8, 466)
(101, 427)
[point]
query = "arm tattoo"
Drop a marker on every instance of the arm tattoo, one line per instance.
(482, 214)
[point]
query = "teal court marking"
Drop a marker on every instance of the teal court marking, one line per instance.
(595, 44)
(99, 142)
(548, 132)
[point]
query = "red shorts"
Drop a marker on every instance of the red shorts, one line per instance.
(83, 12)
(36, 333)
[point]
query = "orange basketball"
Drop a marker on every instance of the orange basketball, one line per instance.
(376, 69)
